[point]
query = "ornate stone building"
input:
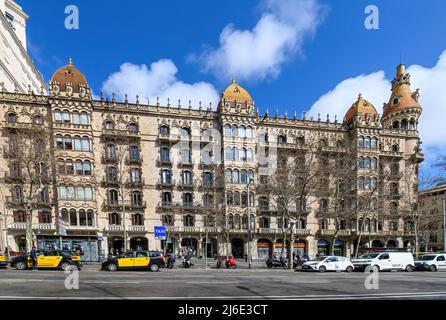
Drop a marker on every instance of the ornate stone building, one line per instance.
(118, 169)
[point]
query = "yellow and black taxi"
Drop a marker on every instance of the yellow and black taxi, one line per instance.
(133, 260)
(3, 261)
(52, 259)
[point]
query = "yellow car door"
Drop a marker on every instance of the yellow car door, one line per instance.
(51, 259)
(127, 260)
(142, 259)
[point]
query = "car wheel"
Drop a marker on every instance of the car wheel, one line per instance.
(20, 265)
(269, 266)
(375, 268)
(322, 269)
(433, 268)
(65, 266)
(112, 267)
(409, 268)
(154, 267)
(349, 269)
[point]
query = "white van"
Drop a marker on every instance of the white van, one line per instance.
(385, 261)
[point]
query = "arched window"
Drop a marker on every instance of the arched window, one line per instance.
(242, 132)
(236, 198)
(19, 216)
(86, 145)
(367, 225)
(227, 130)
(133, 127)
(164, 130)
(235, 176)
(111, 151)
(243, 155)
(281, 139)
(264, 203)
(361, 141)
(114, 219)
(366, 163)
(189, 221)
(264, 222)
(361, 162)
(229, 198)
(186, 155)
(136, 198)
(361, 183)
(393, 188)
(112, 174)
(67, 143)
(136, 175)
(208, 200)
(396, 125)
(38, 119)
(373, 143)
(166, 176)
(73, 217)
(395, 148)
(373, 183)
(237, 222)
(185, 133)
(249, 132)
(75, 117)
(244, 199)
(228, 176)
(82, 217)
(250, 175)
(249, 155)
(404, 124)
(234, 130)
(86, 166)
(88, 193)
(243, 177)
(367, 142)
(187, 198)
(228, 154)
(91, 221)
(109, 125)
(84, 118)
(11, 117)
(66, 116)
(235, 155)
(165, 154)
(394, 169)
(113, 197)
(373, 163)
(167, 197)
(137, 219)
(134, 153)
(231, 221)
(393, 208)
(367, 183)
(187, 177)
(208, 178)
(17, 194)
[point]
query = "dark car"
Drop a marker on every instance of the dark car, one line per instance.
(53, 259)
(134, 260)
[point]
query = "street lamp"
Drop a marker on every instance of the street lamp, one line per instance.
(250, 181)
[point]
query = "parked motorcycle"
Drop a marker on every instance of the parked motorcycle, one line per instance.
(187, 263)
(170, 261)
(280, 262)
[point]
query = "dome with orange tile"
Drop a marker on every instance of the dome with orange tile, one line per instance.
(361, 106)
(236, 92)
(69, 74)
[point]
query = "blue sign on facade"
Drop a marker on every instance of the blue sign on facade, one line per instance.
(160, 232)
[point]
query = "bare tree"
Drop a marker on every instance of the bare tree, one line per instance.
(29, 155)
(295, 181)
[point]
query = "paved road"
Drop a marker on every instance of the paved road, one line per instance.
(219, 284)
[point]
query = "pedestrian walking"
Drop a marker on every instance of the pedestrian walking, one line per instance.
(33, 255)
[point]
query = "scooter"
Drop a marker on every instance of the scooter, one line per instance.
(187, 263)
(277, 263)
(170, 262)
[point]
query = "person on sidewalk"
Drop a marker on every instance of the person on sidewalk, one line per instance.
(33, 255)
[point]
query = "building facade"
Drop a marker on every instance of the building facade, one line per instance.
(17, 71)
(118, 169)
(432, 213)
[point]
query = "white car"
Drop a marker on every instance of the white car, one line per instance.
(328, 263)
(431, 262)
(385, 261)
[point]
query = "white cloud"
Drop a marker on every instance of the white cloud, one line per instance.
(158, 81)
(376, 89)
(259, 53)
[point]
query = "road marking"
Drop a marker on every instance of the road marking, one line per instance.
(297, 297)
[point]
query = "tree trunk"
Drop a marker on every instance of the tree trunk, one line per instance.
(29, 227)
(359, 239)
(290, 258)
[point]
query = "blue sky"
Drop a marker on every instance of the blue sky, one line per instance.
(314, 58)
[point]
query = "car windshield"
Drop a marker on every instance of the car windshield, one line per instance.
(369, 256)
(427, 258)
(321, 258)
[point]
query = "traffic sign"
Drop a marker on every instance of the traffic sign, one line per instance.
(62, 227)
(160, 233)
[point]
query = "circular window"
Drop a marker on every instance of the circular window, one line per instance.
(396, 100)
